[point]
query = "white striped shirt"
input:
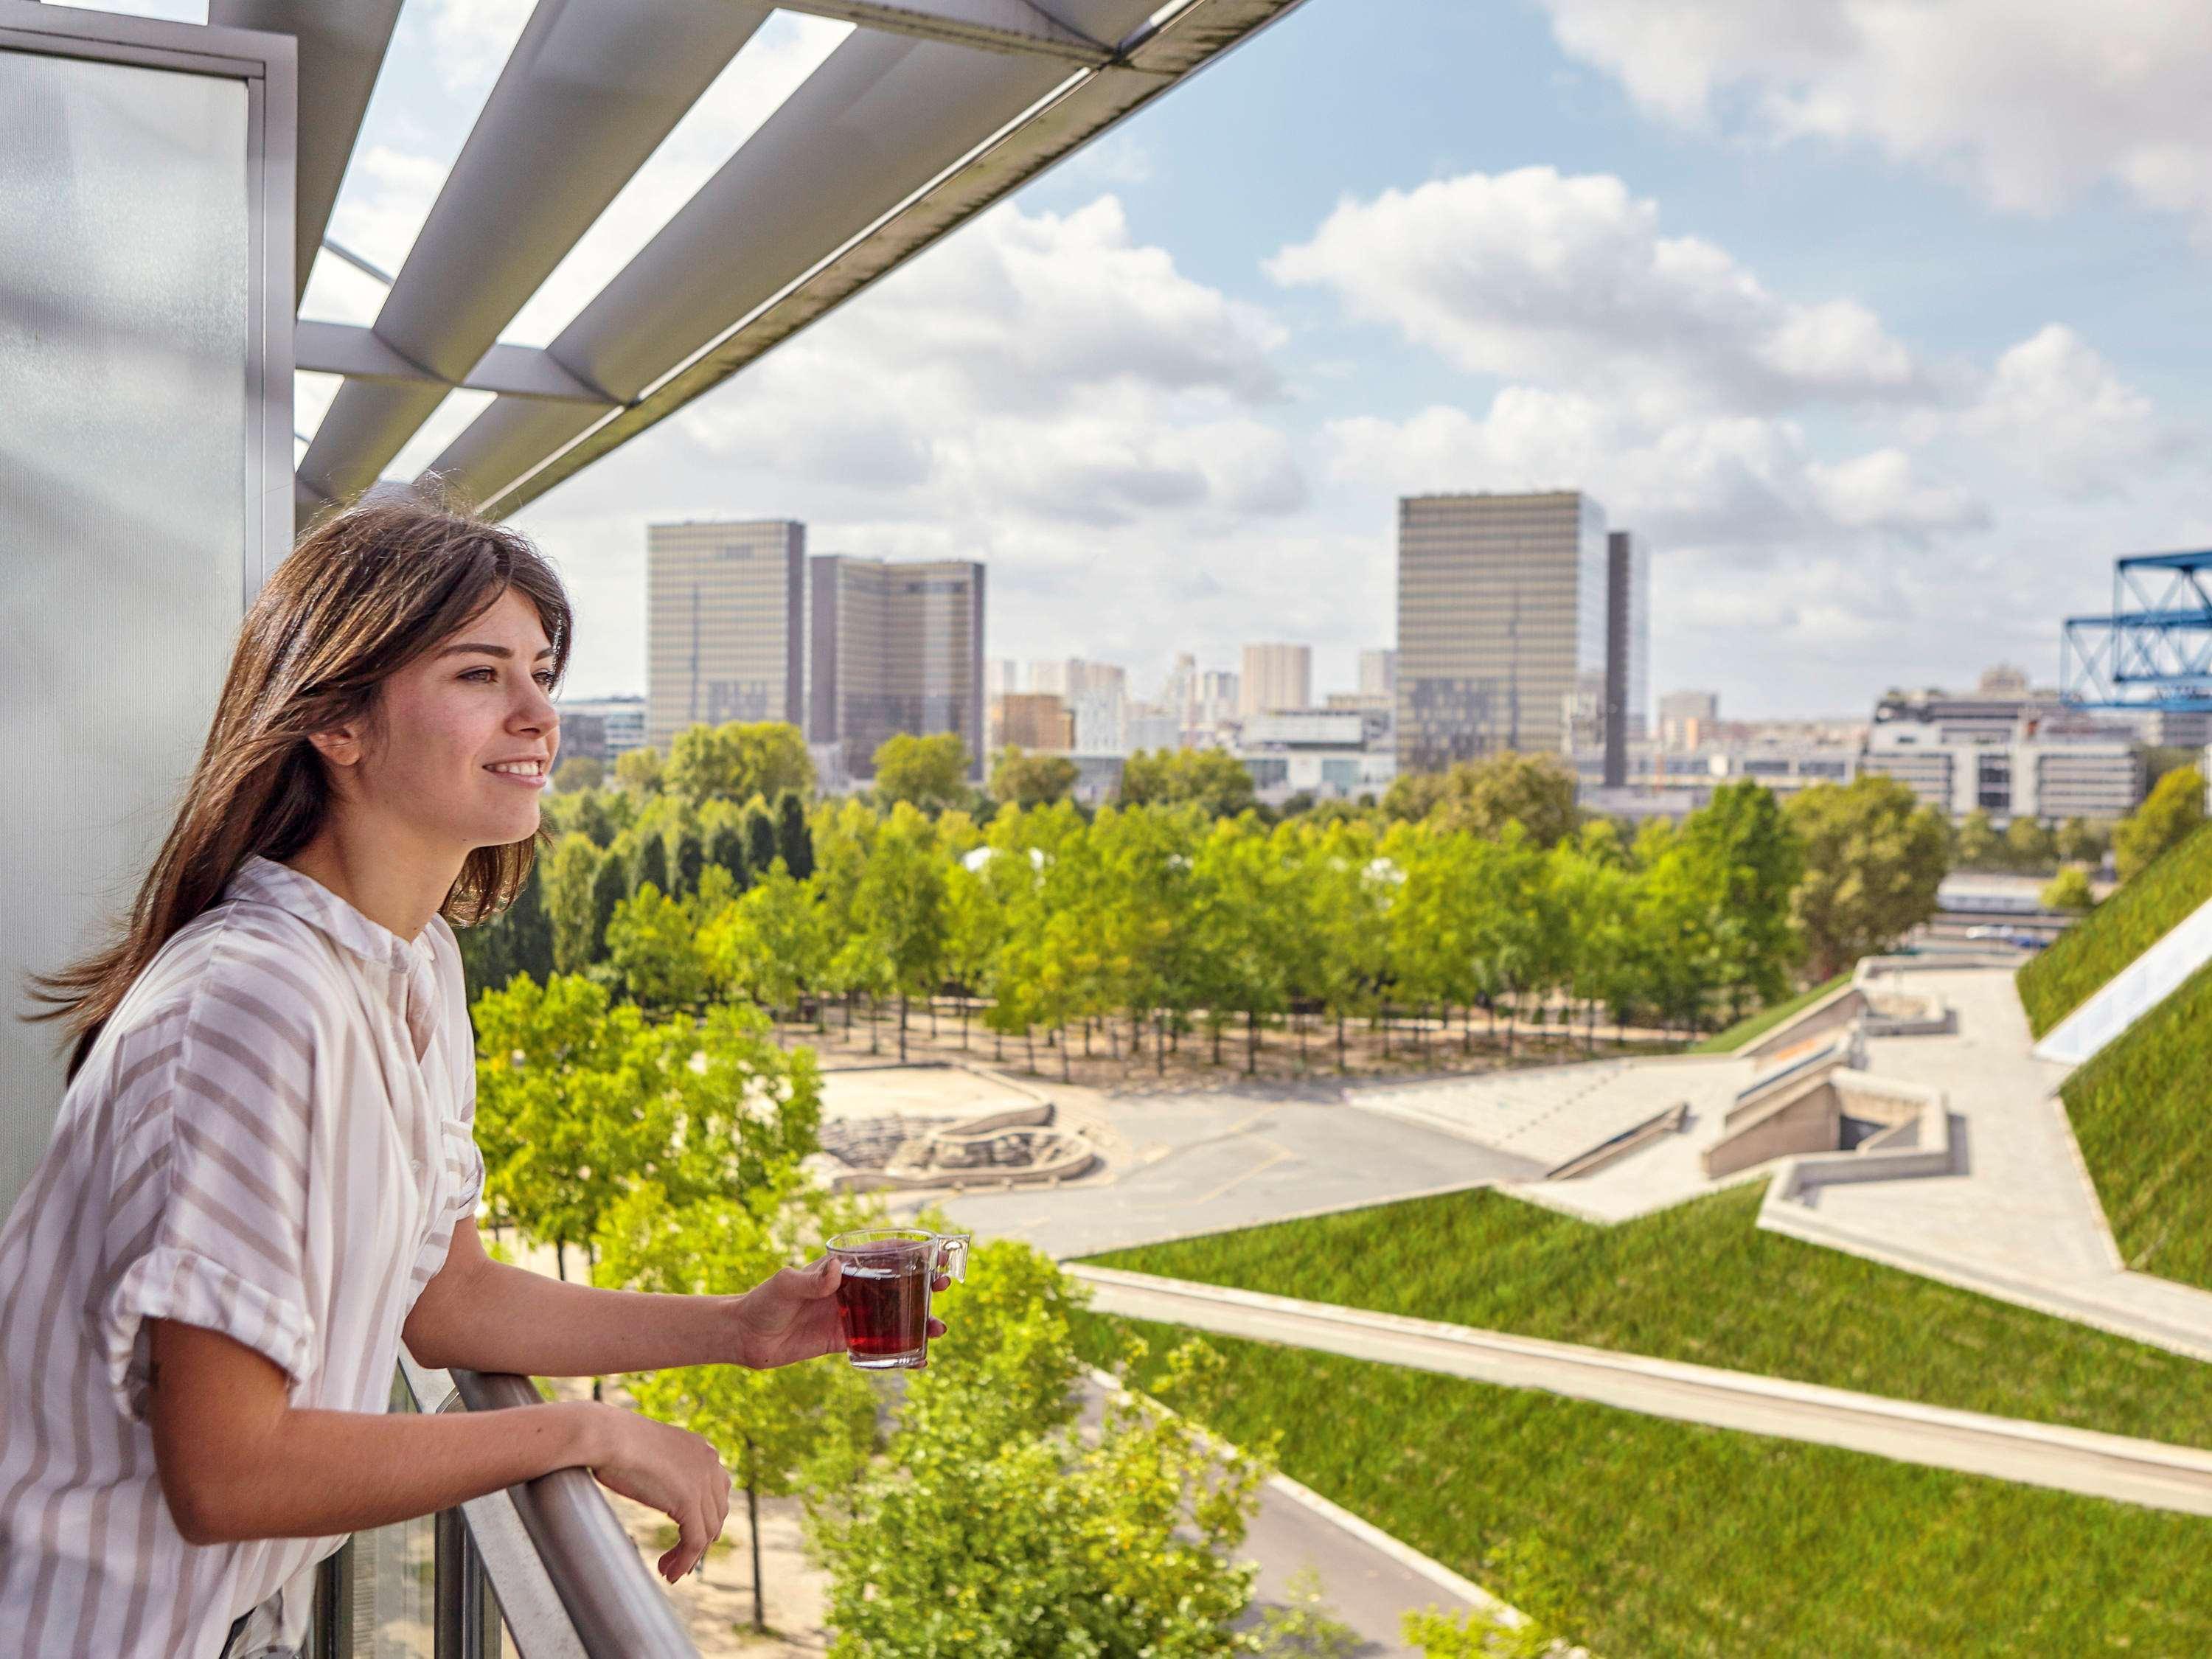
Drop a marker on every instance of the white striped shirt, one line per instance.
(271, 1138)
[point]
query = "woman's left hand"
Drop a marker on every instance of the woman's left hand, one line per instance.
(794, 1316)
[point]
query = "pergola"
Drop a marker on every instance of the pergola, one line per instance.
(927, 113)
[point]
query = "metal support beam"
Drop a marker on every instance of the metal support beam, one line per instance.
(815, 207)
(1015, 25)
(342, 47)
(512, 371)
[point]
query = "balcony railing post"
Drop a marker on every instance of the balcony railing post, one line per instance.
(330, 1624)
(466, 1617)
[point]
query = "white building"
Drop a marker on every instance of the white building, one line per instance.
(1149, 725)
(1276, 677)
(1378, 673)
(1323, 753)
(605, 727)
(2025, 773)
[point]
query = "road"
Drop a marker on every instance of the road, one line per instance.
(2037, 1454)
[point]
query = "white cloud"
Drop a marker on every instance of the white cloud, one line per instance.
(2055, 406)
(2033, 101)
(1538, 275)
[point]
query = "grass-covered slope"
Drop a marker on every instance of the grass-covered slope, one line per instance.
(2063, 978)
(1700, 1282)
(1759, 1025)
(1657, 1538)
(2143, 1113)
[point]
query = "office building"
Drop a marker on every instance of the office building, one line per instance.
(1325, 754)
(602, 728)
(1150, 725)
(1276, 677)
(1502, 624)
(1220, 694)
(1687, 718)
(1378, 673)
(1032, 720)
(1001, 677)
(1627, 649)
(895, 648)
(1101, 714)
(724, 640)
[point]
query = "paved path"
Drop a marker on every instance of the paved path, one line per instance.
(2037, 1454)
(2018, 1218)
(1369, 1580)
(1206, 1163)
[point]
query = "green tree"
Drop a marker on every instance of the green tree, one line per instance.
(648, 865)
(640, 771)
(1212, 780)
(1032, 780)
(2080, 842)
(610, 887)
(690, 860)
(1873, 858)
(1976, 845)
(725, 850)
(571, 871)
(2029, 846)
(929, 774)
(1482, 797)
(519, 940)
(771, 1426)
(762, 846)
(2173, 811)
(739, 760)
(997, 1527)
(793, 839)
(1750, 862)
(900, 907)
(653, 949)
(579, 773)
(2069, 889)
(770, 945)
(577, 1098)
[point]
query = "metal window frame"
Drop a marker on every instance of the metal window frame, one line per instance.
(268, 65)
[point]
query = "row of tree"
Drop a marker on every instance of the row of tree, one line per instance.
(1154, 922)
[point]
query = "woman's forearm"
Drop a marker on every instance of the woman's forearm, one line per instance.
(496, 1317)
(318, 1474)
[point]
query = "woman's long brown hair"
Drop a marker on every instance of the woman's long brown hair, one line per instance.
(364, 594)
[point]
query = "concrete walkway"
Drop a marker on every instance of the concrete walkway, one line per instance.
(2079, 1460)
(1186, 1164)
(2018, 1218)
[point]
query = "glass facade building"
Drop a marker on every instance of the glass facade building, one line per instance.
(895, 648)
(724, 640)
(1502, 622)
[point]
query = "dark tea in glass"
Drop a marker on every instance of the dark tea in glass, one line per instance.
(884, 1290)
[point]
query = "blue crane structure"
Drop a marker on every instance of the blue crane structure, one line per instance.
(2155, 652)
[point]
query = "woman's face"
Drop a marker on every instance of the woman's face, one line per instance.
(466, 736)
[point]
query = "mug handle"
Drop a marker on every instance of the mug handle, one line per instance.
(952, 1256)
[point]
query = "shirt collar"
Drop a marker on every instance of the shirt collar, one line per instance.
(279, 885)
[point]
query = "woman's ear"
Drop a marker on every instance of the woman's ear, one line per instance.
(340, 745)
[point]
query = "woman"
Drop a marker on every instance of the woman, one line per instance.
(263, 1175)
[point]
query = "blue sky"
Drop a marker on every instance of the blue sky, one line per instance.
(1882, 319)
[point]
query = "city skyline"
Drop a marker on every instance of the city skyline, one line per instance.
(1851, 391)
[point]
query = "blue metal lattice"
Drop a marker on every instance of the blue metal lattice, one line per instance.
(2154, 651)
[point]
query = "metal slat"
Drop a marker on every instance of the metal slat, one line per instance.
(817, 205)
(588, 96)
(994, 25)
(342, 47)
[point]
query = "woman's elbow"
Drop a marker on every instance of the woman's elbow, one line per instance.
(201, 1508)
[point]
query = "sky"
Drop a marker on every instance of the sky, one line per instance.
(1882, 320)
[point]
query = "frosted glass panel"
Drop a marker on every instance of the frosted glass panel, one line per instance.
(125, 301)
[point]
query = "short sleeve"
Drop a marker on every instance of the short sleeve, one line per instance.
(214, 1149)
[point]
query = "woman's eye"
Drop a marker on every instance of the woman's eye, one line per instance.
(482, 676)
(545, 678)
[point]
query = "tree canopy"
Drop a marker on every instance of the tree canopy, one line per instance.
(738, 761)
(1212, 780)
(1031, 779)
(1873, 858)
(928, 772)
(2172, 812)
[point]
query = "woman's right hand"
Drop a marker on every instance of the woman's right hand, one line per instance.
(667, 1469)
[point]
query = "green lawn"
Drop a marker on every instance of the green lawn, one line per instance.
(1678, 1540)
(2143, 1113)
(2054, 984)
(1700, 1282)
(1758, 1024)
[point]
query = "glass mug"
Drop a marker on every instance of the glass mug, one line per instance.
(883, 1296)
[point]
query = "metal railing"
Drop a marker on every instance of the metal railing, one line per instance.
(543, 1570)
